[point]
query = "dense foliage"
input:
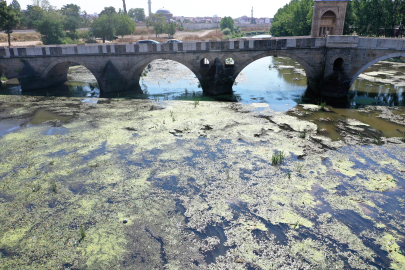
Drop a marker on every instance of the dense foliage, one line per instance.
(294, 19)
(51, 29)
(160, 26)
(9, 18)
(72, 19)
(227, 22)
(137, 14)
(377, 17)
(110, 23)
(366, 17)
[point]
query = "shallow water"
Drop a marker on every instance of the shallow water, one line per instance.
(197, 187)
(196, 182)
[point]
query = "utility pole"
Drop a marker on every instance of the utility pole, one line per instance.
(125, 7)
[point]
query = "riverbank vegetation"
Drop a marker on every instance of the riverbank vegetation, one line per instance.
(61, 26)
(365, 17)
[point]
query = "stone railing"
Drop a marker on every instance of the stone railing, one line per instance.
(284, 43)
(187, 46)
(365, 43)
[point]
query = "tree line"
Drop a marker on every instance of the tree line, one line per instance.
(365, 17)
(160, 25)
(59, 26)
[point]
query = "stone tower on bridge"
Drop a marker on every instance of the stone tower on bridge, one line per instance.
(329, 17)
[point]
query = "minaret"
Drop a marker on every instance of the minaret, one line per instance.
(150, 6)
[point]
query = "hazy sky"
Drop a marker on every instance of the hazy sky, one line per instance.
(262, 8)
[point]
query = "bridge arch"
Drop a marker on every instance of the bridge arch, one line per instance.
(69, 61)
(209, 57)
(136, 71)
(2, 70)
(310, 73)
(376, 60)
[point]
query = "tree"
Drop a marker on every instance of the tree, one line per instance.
(72, 19)
(227, 22)
(104, 28)
(43, 4)
(16, 5)
(294, 19)
(33, 14)
(85, 20)
(171, 29)
(158, 22)
(349, 19)
(124, 25)
(51, 30)
(226, 31)
(9, 19)
(109, 11)
(138, 14)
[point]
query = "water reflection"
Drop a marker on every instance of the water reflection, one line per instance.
(381, 84)
(277, 81)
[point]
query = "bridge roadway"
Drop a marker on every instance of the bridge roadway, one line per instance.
(331, 64)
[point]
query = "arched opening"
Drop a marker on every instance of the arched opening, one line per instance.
(276, 82)
(165, 79)
(380, 82)
(204, 63)
(229, 63)
(328, 24)
(338, 65)
(3, 77)
(71, 79)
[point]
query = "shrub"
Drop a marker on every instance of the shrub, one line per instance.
(226, 31)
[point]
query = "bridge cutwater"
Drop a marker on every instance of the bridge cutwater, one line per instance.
(331, 64)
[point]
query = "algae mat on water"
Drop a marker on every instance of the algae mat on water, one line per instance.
(196, 187)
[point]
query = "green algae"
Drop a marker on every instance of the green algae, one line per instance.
(167, 185)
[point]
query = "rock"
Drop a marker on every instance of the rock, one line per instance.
(239, 260)
(125, 221)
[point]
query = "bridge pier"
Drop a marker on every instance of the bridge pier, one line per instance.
(30, 79)
(217, 80)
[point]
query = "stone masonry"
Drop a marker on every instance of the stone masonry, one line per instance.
(331, 64)
(334, 23)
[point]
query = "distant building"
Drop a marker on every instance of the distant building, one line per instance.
(166, 13)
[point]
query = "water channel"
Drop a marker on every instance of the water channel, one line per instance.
(171, 178)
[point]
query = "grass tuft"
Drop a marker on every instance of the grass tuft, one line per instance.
(277, 158)
(54, 187)
(322, 106)
(82, 232)
(196, 102)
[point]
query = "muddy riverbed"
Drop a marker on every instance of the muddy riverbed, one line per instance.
(139, 184)
(188, 183)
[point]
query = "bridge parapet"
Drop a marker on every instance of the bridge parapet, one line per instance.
(365, 43)
(232, 45)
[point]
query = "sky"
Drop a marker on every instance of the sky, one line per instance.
(188, 8)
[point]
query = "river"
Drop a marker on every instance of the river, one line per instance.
(171, 178)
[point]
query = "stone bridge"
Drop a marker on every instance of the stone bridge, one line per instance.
(331, 64)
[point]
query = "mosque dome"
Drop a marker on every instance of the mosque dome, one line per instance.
(163, 11)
